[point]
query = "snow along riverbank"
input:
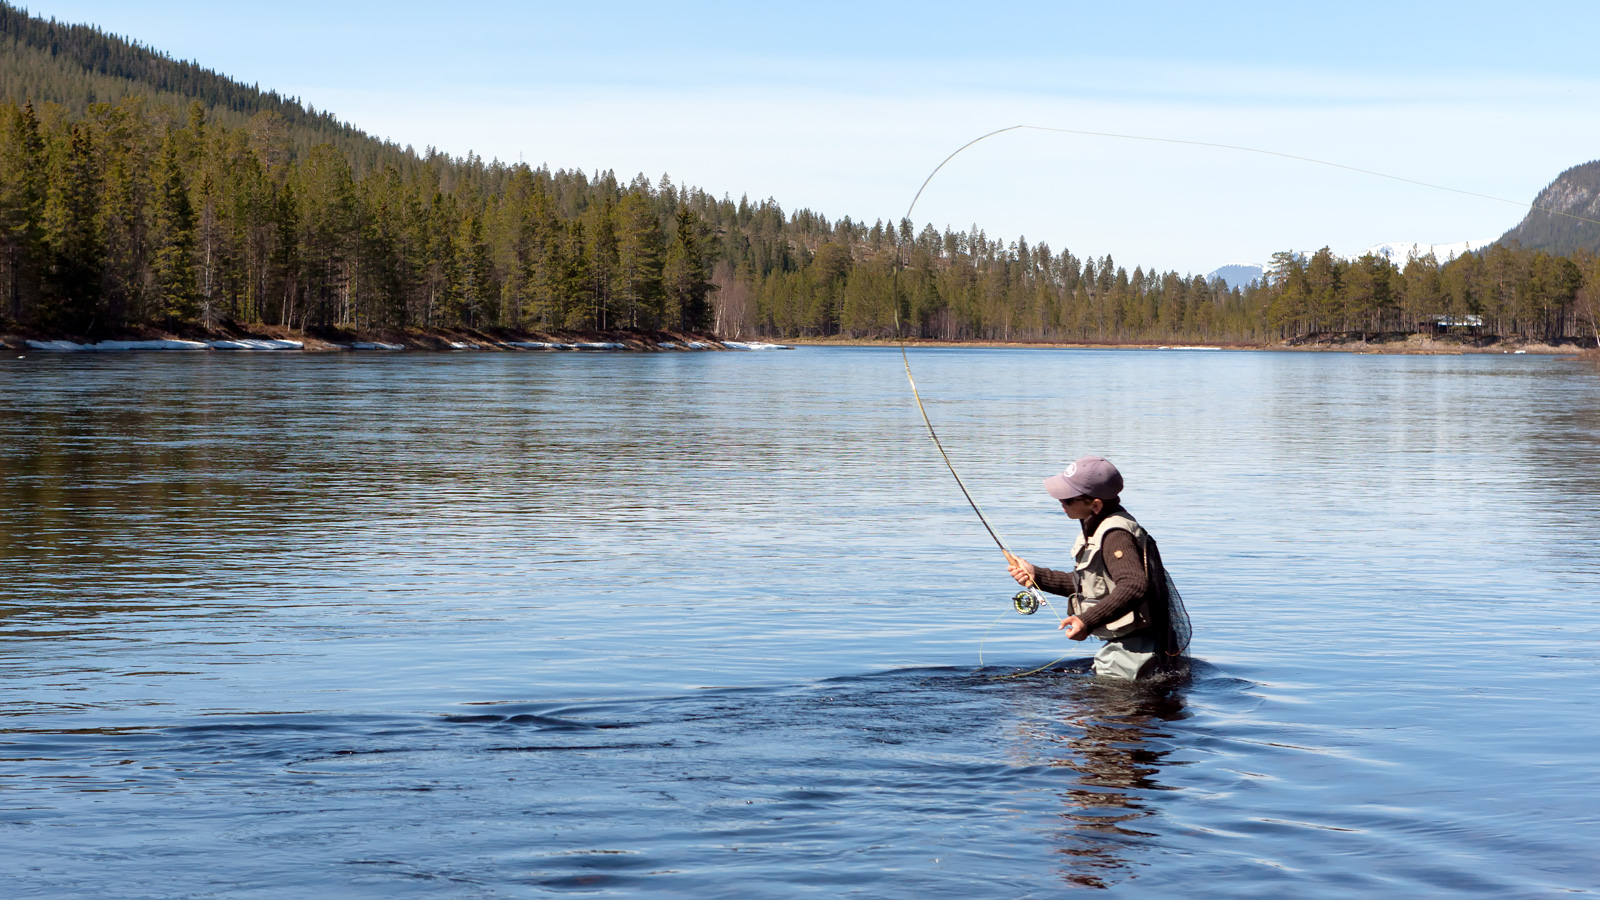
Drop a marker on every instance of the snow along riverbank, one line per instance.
(124, 346)
(265, 344)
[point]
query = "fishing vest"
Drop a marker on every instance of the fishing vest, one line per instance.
(1094, 581)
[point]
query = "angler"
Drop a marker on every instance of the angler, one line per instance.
(1118, 590)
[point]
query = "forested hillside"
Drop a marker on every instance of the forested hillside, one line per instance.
(1575, 192)
(137, 190)
(77, 66)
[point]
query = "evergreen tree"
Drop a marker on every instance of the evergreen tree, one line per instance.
(572, 277)
(172, 241)
(75, 256)
(684, 274)
(604, 263)
(326, 235)
(639, 262)
(474, 290)
(22, 172)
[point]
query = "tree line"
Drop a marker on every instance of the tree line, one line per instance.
(860, 282)
(138, 213)
(135, 215)
(1515, 292)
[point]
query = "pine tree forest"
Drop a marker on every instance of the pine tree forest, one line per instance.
(140, 213)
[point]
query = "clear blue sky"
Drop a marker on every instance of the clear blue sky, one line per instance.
(845, 108)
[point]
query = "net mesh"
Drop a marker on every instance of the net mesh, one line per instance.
(1168, 615)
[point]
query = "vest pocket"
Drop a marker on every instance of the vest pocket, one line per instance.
(1129, 622)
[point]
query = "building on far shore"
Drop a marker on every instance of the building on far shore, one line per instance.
(1444, 324)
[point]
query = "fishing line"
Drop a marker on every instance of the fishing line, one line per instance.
(1034, 592)
(1241, 149)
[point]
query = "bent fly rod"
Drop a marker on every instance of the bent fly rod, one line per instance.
(1027, 600)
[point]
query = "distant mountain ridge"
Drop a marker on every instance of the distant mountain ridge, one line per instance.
(1575, 192)
(1238, 275)
(1556, 225)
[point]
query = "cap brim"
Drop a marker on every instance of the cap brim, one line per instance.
(1060, 488)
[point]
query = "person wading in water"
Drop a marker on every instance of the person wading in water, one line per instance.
(1118, 590)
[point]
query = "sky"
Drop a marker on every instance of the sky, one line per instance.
(845, 108)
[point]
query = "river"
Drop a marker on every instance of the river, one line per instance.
(517, 625)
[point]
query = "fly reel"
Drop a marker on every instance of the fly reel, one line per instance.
(1026, 601)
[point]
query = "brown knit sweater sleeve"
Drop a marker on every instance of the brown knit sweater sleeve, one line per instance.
(1126, 571)
(1056, 582)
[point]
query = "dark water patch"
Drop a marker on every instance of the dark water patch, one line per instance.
(785, 777)
(552, 748)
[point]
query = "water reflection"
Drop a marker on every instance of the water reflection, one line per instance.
(1115, 738)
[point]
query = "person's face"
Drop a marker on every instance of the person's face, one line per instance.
(1081, 507)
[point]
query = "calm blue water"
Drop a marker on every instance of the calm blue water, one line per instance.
(513, 625)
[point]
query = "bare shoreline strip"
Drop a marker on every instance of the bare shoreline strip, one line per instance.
(1407, 347)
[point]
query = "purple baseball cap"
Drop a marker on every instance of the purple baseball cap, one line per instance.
(1091, 476)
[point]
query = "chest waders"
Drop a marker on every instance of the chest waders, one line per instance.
(1130, 644)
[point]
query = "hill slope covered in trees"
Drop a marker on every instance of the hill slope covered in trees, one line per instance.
(1575, 192)
(77, 66)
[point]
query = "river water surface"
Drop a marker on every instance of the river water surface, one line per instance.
(517, 625)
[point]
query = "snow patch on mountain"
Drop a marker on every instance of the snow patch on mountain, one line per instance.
(1399, 252)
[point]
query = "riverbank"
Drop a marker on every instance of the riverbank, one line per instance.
(232, 337)
(1411, 344)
